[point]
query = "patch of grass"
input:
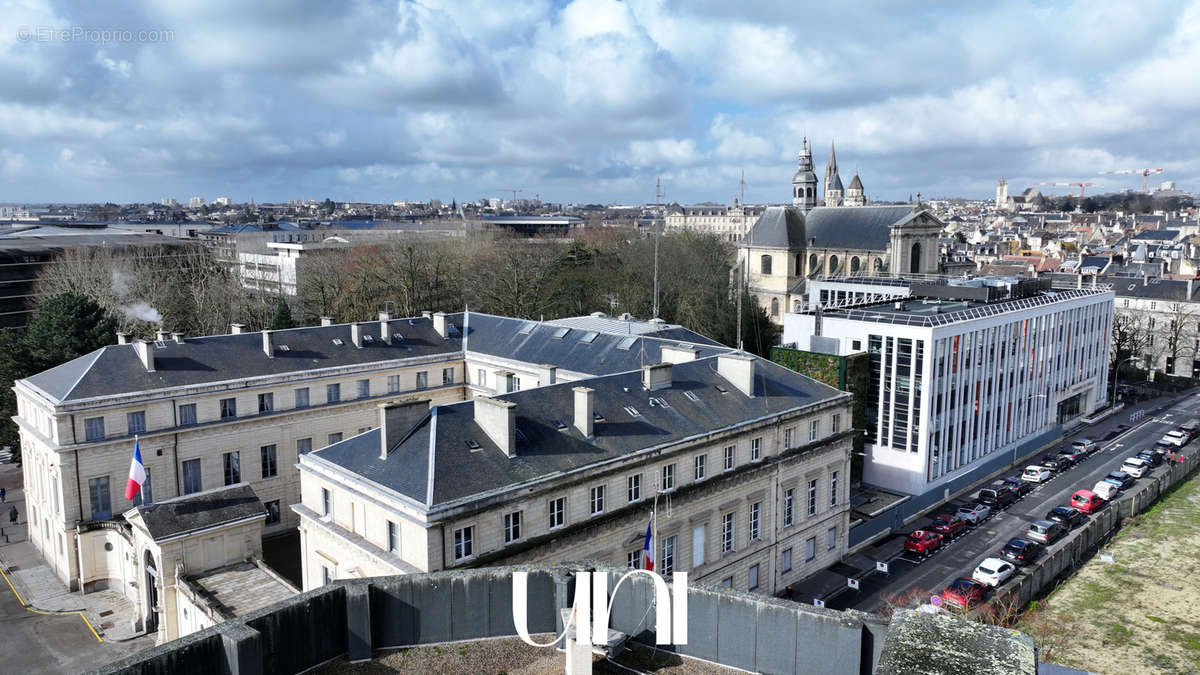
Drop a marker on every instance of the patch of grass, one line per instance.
(1155, 619)
(1117, 634)
(1096, 596)
(1190, 641)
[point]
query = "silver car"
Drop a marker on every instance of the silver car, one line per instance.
(1044, 531)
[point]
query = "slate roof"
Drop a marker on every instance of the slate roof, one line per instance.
(856, 184)
(542, 449)
(116, 369)
(1098, 261)
(1154, 289)
(856, 227)
(200, 510)
(1156, 235)
(777, 227)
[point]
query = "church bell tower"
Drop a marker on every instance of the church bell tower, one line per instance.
(804, 183)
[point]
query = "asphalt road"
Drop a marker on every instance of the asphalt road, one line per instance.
(930, 574)
(42, 643)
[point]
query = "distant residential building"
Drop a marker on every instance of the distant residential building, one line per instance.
(196, 202)
(727, 222)
(222, 201)
(1159, 323)
(168, 201)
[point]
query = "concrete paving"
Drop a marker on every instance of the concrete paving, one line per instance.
(46, 628)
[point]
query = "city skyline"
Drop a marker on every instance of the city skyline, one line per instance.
(588, 101)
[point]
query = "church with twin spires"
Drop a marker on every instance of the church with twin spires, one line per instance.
(805, 188)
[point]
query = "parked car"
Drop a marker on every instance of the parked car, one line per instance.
(1176, 438)
(1054, 463)
(1120, 479)
(1045, 531)
(948, 525)
(1086, 501)
(1067, 516)
(1151, 457)
(1021, 551)
(1135, 466)
(1071, 455)
(1191, 428)
(993, 572)
(974, 513)
(1106, 490)
(1162, 447)
(1085, 446)
(1022, 487)
(923, 542)
(964, 593)
(1036, 474)
(998, 496)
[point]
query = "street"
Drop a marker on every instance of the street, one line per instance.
(957, 558)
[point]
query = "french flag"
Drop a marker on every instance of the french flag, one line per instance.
(648, 548)
(137, 473)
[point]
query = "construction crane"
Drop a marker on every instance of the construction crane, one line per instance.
(512, 190)
(1082, 186)
(1145, 174)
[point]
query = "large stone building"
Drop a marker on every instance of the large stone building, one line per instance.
(744, 463)
(730, 223)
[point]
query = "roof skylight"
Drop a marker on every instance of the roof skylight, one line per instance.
(626, 342)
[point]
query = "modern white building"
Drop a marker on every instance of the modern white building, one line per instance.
(965, 370)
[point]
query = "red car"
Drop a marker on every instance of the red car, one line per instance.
(964, 593)
(923, 542)
(949, 526)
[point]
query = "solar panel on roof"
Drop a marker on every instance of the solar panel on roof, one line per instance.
(626, 342)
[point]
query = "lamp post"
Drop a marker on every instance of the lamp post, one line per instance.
(1112, 401)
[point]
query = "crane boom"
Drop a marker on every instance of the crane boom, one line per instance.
(1145, 173)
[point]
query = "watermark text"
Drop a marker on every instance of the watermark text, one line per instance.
(95, 35)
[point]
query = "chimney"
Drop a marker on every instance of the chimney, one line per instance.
(547, 374)
(426, 314)
(1189, 295)
(160, 335)
(268, 346)
(738, 370)
(146, 354)
(236, 328)
(396, 420)
(656, 376)
(1143, 277)
(177, 337)
(678, 354)
(356, 334)
(498, 419)
(439, 323)
(326, 321)
(122, 338)
(385, 327)
(585, 398)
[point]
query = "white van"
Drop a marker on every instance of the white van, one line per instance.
(1135, 466)
(1106, 491)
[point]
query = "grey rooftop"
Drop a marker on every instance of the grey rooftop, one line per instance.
(200, 510)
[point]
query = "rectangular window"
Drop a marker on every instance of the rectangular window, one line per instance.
(789, 500)
(270, 467)
(232, 463)
(393, 537)
(753, 577)
(464, 542)
(93, 429)
(699, 461)
(755, 519)
(144, 495)
(266, 402)
(727, 533)
(787, 438)
(813, 427)
(393, 383)
(447, 375)
(326, 576)
(335, 437)
(512, 527)
(364, 388)
(634, 559)
(302, 397)
(727, 582)
(272, 511)
(326, 502)
(192, 480)
(481, 377)
(635, 487)
(99, 497)
(729, 457)
(698, 535)
(513, 383)
(812, 497)
(810, 549)
(187, 414)
(755, 449)
(833, 489)
(785, 560)
(597, 499)
(837, 423)
(333, 393)
(303, 446)
(228, 408)
(135, 422)
(668, 555)
(422, 380)
(831, 538)
(558, 512)
(668, 477)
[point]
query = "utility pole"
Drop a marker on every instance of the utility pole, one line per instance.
(658, 195)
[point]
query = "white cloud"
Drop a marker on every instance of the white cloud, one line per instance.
(663, 151)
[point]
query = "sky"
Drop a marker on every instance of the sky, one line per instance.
(588, 101)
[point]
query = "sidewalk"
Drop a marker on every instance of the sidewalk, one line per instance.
(109, 612)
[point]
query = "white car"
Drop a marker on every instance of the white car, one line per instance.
(974, 513)
(1176, 437)
(1135, 466)
(1036, 474)
(993, 572)
(1084, 446)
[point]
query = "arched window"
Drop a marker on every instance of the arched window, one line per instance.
(833, 264)
(799, 264)
(774, 306)
(797, 306)
(765, 265)
(878, 266)
(814, 264)
(854, 264)
(914, 260)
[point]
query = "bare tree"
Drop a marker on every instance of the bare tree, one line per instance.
(1178, 331)
(1130, 334)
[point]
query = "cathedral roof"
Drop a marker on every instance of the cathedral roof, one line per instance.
(835, 183)
(777, 227)
(804, 176)
(855, 227)
(856, 183)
